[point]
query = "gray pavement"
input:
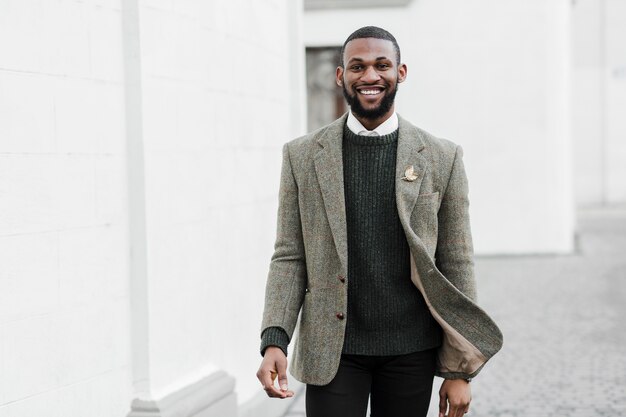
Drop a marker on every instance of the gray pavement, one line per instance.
(564, 324)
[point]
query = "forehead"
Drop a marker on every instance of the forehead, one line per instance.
(369, 49)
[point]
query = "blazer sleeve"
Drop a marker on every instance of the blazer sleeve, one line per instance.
(454, 254)
(286, 281)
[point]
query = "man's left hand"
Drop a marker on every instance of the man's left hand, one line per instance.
(457, 394)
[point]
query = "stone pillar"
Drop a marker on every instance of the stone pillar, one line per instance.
(212, 94)
(599, 101)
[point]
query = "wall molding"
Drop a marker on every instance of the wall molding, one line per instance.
(213, 396)
(352, 4)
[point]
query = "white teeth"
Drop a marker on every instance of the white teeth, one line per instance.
(370, 92)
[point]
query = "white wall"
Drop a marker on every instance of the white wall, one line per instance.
(615, 87)
(64, 340)
(493, 77)
(140, 158)
(217, 107)
(599, 101)
(588, 130)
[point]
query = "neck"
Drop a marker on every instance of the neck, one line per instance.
(371, 124)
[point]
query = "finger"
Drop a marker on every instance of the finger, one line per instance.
(271, 391)
(442, 405)
(453, 411)
(274, 392)
(268, 384)
(281, 367)
(467, 409)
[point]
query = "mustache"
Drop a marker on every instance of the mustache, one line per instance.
(375, 113)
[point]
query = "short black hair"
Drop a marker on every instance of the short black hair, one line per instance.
(371, 32)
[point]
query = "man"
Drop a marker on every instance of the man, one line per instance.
(374, 249)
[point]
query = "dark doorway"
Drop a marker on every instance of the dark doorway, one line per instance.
(325, 100)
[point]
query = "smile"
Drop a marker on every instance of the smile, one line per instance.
(370, 91)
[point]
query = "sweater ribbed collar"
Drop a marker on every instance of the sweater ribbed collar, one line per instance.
(382, 129)
(361, 140)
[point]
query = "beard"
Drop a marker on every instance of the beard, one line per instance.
(370, 114)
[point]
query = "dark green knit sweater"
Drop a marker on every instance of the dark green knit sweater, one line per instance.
(387, 314)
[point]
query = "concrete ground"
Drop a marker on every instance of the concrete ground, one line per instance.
(564, 323)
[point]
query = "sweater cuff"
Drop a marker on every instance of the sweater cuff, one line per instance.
(274, 336)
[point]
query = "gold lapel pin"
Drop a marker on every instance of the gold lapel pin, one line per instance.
(409, 175)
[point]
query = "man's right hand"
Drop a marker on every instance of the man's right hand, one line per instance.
(274, 364)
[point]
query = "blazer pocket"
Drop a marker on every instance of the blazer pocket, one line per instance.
(320, 315)
(428, 198)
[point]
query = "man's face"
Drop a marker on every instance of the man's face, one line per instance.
(370, 77)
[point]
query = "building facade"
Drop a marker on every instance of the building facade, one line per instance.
(140, 152)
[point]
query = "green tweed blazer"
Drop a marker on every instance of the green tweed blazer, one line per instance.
(308, 270)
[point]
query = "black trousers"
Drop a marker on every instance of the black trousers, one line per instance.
(400, 386)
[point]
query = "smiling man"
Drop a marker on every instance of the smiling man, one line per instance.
(370, 82)
(374, 252)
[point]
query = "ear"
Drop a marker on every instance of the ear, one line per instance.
(339, 76)
(402, 70)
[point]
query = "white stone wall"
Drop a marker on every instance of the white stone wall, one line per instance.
(64, 340)
(615, 71)
(494, 78)
(599, 101)
(140, 151)
(219, 100)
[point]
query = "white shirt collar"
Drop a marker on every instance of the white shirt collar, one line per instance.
(385, 128)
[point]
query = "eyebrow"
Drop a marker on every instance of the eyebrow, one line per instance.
(357, 59)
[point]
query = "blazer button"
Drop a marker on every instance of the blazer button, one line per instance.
(342, 278)
(340, 316)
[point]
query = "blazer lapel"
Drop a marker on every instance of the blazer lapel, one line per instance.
(329, 168)
(410, 144)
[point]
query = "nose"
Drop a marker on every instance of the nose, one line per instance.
(370, 76)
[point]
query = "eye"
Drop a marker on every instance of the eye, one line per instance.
(383, 66)
(356, 67)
